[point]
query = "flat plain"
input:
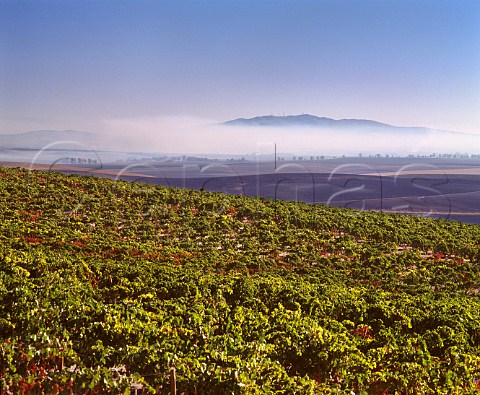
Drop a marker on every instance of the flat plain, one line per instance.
(432, 187)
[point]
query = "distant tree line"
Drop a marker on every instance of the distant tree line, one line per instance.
(81, 161)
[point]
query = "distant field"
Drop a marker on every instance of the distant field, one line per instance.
(439, 188)
(466, 171)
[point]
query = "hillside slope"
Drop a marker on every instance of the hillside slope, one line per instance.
(104, 284)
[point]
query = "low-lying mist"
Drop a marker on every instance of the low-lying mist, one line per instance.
(184, 135)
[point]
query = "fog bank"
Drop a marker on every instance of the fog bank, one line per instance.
(188, 135)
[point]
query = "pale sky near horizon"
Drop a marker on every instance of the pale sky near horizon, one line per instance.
(103, 66)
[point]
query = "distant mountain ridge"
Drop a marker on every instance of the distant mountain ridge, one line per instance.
(42, 138)
(301, 120)
(308, 120)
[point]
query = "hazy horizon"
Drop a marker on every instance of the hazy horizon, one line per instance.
(159, 74)
(221, 139)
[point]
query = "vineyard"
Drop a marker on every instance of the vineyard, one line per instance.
(105, 285)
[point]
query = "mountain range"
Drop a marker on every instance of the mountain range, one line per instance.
(52, 139)
(312, 121)
(312, 131)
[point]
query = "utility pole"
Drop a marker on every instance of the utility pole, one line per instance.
(275, 156)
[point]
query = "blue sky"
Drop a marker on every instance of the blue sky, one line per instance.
(106, 66)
